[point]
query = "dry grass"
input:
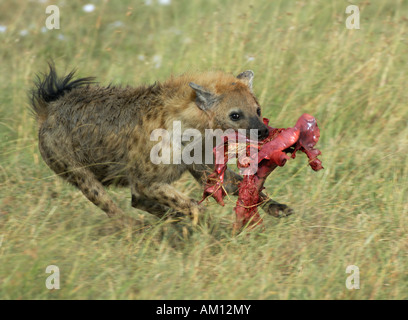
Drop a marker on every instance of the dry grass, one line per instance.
(352, 213)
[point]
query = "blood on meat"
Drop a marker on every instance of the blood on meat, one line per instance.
(269, 154)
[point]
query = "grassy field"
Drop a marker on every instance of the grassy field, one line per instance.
(354, 212)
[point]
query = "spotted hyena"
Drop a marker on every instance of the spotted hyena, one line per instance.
(94, 136)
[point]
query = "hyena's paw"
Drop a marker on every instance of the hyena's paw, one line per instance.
(277, 210)
(193, 212)
(185, 223)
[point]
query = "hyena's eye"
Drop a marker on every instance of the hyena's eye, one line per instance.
(258, 112)
(235, 116)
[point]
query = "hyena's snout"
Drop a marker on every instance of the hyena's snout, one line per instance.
(263, 133)
(262, 129)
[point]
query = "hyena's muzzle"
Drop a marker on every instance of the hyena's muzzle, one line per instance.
(255, 123)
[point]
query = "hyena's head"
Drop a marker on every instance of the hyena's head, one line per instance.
(230, 104)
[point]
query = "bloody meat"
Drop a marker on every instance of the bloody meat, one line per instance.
(267, 155)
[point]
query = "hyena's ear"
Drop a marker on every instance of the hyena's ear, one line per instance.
(204, 99)
(247, 77)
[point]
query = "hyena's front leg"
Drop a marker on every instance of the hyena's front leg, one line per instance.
(141, 202)
(163, 196)
(231, 182)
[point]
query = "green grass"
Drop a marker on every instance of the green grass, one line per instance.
(354, 212)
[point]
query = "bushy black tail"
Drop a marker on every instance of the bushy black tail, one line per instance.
(48, 88)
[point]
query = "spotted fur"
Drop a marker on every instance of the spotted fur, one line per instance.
(94, 136)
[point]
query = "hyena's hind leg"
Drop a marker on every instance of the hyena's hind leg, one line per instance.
(231, 181)
(84, 180)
